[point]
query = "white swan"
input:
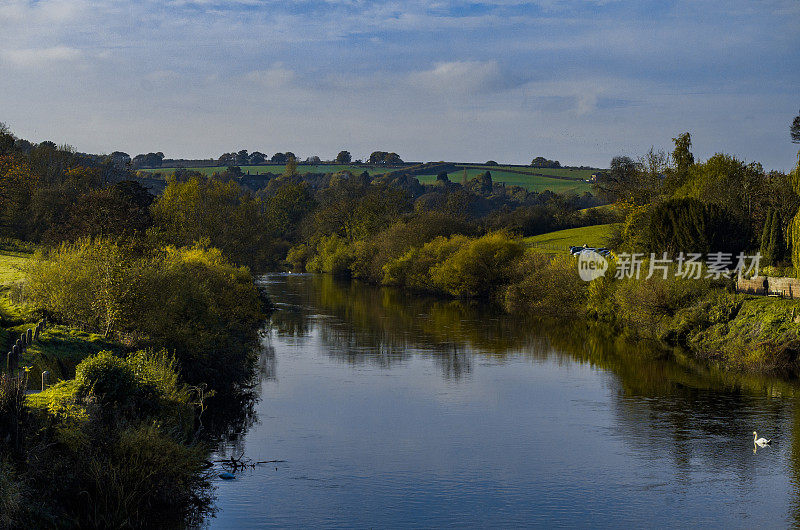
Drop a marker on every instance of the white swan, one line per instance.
(761, 442)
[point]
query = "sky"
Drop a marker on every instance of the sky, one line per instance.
(579, 81)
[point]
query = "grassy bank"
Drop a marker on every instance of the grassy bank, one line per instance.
(60, 348)
(593, 236)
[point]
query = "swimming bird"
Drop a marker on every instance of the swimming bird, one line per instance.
(761, 442)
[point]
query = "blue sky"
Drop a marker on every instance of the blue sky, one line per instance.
(578, 81)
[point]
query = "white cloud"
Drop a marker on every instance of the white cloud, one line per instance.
(276, 77)
(469, 77)
(36, 57)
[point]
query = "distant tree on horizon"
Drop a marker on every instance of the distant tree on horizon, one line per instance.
(343, 157)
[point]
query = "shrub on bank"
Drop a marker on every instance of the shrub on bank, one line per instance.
(111, 448)
(457, 266)
(190, 300)
(547, 287)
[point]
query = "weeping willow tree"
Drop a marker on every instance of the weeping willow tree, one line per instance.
(794, 226)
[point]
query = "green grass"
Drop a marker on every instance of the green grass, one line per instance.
(59, 348)
(593, 236)
(530, 182)
(537, 183)
(556, 172)
(12, 265)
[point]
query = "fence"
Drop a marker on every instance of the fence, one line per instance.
(25, 340)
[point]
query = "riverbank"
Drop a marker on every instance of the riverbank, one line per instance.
(704, 316)
(117, 438)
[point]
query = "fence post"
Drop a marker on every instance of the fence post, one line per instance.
(45, 380)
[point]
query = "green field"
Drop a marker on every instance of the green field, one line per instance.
(592, 236)
(530, 182)
(11, 266)
(582, 174)
(510, 175)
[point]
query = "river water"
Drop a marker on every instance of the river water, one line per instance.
(392, 410)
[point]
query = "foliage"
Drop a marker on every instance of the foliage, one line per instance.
(647, 305)
(371, 254)
(458, 266)
(688, 225)
(773, 245)
(627, 179)
(547, 286)
(479, 267)
(190, 300)
(731, 184)
(683, 160)
(223, 213)
(115, 453)
(382, 157)
(333, 255)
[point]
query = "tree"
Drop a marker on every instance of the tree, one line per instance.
(739, 187)
(766, 235)
(382, 157)
(314, 159)
(683, 160)
(279, 158)
(148, 160)
(794, 129)
(624, 181)
(442, 177)
(257, 158)
(543, 162)
(242, 158)
(392, 158)
(776, 250)
(221, 212)
(121, 210)
(291, 167)
(343, 157)
(6, 139)
(688, 225)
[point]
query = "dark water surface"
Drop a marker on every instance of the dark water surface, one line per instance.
(392, 411)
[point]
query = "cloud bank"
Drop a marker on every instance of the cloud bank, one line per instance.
(580, 81)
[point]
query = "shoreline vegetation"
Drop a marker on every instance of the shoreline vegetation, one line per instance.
(154, 311)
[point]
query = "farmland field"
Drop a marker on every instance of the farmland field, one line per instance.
(582, 174)
(530, 182)
(593, 236)
(510, 175)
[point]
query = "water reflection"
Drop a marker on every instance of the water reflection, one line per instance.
(675, 429)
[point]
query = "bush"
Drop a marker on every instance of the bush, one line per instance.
(189, 300)
(413, 269)
(107, 377)
(648, 306)
(480, 267)
(333, 256)
(547, 287)
(372, 254)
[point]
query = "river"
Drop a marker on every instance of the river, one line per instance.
(393, 410)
